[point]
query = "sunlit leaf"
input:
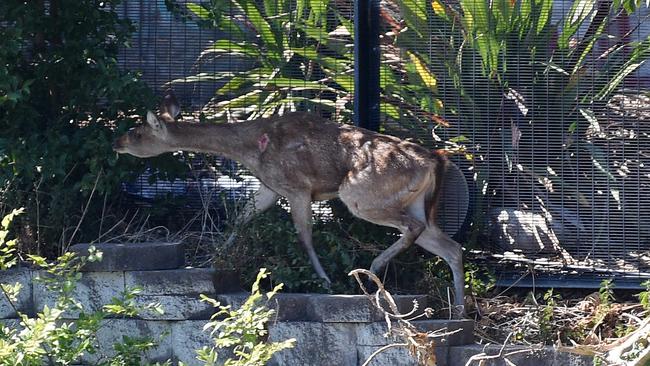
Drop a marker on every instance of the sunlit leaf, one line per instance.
(636, 59)
(202, 77)
(390, 110)
(271, 40)
(311, 53)
(199, 11)
(439, 9)
(415, 13)
(423, 71)
(599, 160)
(318, 9)
(233, 48)
(248, 99)
(579, 12)
(346, 82)
(544, 15)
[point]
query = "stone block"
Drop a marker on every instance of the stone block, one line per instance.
(459, 355)
(183, 307)
(134, 256)
(398, 356)
(94, 290)
(340, 309)
(188, 336)
(186, 281)
(373, 334)
(112, 332)
(525, 231)
(226, 281)
(288, 307)
(291, 307)
(23, 302)
(325, 308)
(355, 308)
(405, 304)
(462, 330)
(235, 300)
(317, 343)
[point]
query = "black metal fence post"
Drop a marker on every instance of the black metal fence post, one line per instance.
(366, 64)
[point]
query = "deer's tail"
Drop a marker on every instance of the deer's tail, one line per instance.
(438, 176)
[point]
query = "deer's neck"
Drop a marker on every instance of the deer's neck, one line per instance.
(235, 141)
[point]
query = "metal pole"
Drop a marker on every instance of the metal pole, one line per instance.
(366, 64)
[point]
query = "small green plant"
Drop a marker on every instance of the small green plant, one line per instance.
(644, 296)
(479, 279)
(48, 338)
(243, 330)
(546, 326)
(606, 292)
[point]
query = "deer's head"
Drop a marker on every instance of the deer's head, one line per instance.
(150, 138)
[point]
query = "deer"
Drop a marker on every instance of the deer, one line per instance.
(304, 158)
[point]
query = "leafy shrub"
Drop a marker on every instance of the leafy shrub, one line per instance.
(644, 296)
(62, 95)
(243, 331)
(49, 339)
(293, 61)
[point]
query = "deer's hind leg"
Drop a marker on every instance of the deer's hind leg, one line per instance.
(434, 240)
(402, 209)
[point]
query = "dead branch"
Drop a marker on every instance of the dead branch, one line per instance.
(420, 344)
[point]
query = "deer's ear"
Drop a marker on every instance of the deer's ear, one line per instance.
(170, 106)
(154, 122)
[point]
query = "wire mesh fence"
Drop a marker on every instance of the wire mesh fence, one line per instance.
(542, 104)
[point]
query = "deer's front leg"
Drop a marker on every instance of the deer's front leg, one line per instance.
(301, 215)
(261, 201)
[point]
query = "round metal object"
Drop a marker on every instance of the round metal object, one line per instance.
(454, 201)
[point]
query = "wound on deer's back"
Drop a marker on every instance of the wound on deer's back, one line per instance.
(263, 142)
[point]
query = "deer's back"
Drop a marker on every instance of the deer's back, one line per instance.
(310, 152)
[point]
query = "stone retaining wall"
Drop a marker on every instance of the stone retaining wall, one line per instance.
(330, 329)
(341, 330)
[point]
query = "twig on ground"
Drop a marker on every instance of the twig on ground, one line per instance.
(420, 344)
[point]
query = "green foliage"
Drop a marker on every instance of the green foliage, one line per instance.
(644, 296)
(293, 62)
(62, 95)
(606, 292)
(480, 280)
(546, 327)
(48, 338)
(8, 256)
(524, 78)
(125, 305)
(130, 352)
(243, 331)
